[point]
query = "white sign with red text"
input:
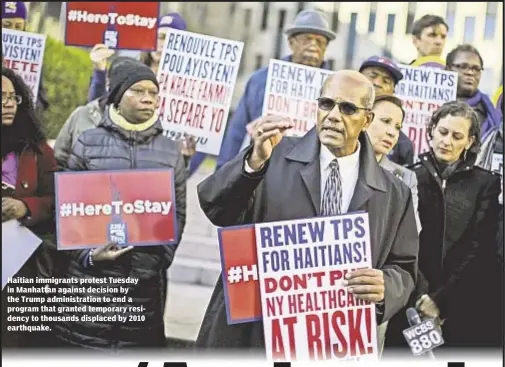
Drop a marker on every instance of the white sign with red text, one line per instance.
(308, 313)
(423, 90)
(23, 52)
(197, 75)
(292, 91)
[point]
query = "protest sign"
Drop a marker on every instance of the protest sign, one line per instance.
(23, 52)
(237, 246)
(18, 244)
(307, 311)
(497, 163)
(422, 91)
(197, 75)
(118, 25)
(135, 208)
(291, 91)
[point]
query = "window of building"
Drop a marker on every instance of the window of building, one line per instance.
(469, 35)
(280, 35)
(301, 7)
(334, 17)
(351, 41)
(450, 17)
(391, 23)
(490, 24)
(372, 17)
(264, 18)
(411, 15)
(259, 62)
(247, 18)
(53, 9)
(233, 8)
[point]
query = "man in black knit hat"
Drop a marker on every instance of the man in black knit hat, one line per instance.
(129, 137)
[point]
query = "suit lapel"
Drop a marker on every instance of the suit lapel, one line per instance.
(362, 193)
(306, 151)
(311, 177)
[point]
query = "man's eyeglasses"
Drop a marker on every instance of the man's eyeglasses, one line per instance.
(346, 108)
(465, 67)
(17, 99)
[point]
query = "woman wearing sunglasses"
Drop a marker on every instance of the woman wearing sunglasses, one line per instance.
(28, 167)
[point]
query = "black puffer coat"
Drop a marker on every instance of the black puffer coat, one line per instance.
(458, 261)
(110, 147)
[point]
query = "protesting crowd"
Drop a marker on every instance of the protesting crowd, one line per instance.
(435, 215)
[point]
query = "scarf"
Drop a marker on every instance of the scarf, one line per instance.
(123, 123)
(493, 120)
(10, 169)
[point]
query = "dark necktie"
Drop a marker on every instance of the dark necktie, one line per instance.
(332, 195)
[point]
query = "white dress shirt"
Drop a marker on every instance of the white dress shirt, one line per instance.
(349, 169)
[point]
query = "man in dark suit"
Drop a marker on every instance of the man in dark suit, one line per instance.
(331, 170)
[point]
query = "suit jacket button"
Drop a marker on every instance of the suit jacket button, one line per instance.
(24, 184)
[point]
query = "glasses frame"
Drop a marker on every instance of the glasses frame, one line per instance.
(16, 98)
(336, 103)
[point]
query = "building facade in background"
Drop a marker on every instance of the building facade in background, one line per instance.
(363, 29)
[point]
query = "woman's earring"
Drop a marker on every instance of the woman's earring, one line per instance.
(464, 155)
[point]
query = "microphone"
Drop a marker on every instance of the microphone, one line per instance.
(414, 319)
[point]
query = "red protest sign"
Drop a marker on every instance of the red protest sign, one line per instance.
(119, 25)
(135, 208)
(240, 274)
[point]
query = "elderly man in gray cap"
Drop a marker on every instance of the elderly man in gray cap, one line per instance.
(308, 39)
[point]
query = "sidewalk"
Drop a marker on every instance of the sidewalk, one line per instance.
(186, 305)
(195, 269)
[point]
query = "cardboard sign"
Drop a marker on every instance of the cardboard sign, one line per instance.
(291, 91)
(237, 247)
(135, 208)
(308, 313)
(197, 75)
(23, 52)
(118, 25)
(423, 90)
(289, 274)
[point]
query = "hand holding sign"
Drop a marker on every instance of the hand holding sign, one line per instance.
(99, 55)
(268, 132)
(366, 284)
(12, 209)
(109, 252)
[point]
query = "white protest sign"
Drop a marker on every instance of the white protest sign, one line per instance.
(197, 75)
(13, 255)
(423, 90)
(307, 311)
(497, 163)
(23, 52)
(291, 91)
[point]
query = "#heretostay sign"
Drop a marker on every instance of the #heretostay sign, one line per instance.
(134, 208)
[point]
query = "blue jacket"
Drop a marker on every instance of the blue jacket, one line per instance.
(249, 108)
(97, 85)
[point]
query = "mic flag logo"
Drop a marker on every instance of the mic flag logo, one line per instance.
(423, 337)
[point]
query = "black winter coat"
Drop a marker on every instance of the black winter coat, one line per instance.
(110, 147)
(458, 262)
